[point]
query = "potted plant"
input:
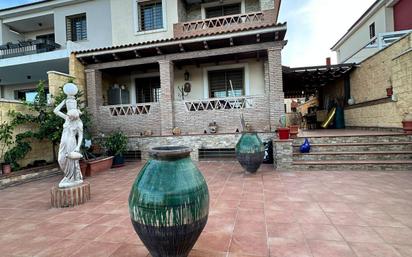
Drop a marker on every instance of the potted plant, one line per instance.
(6, 139)
(116, 144)
(282, 130)
(407, 123)
(294, 125)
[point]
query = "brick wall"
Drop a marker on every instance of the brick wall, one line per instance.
(391, 66)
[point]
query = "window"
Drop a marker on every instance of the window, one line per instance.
(76, 27)
(47, 43)
(372, 30)
(147, 90)
(150, 15)
(27, 95)
(219, 83)
(223, 10)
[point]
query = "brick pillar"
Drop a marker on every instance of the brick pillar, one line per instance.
(94, 95)
(166, 96)
(275, 86)
(282, 154)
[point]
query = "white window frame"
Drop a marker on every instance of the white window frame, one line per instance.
(245, 67)
(136, 18)
(218, 3)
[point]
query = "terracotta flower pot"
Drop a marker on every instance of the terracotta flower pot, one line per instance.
(98, 165)
(407, 126)
(6, 169)
(389, 91)
(294, 130)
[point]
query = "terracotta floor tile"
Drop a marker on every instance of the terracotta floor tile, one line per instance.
(330, 249)
(214, 241)
(394, 235)
(97, 249)
(130, 250)
(320, 232)
(345, 218)
(380, 219)
(251, 226)
(280, 216)
(404, 250)
(374, 250)
(251, 204)
(249, 243)
(89, 232)
(335, 207)
(62, 248)
(359, 234)
(285, 230)
(283, 247)
(311, 217)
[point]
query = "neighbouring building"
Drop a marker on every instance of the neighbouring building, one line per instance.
(383, 23)
(39, 37)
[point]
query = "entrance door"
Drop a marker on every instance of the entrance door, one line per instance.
(147, 90)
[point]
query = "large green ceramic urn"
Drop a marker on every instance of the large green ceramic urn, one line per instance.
(250, 151)
(169, 202)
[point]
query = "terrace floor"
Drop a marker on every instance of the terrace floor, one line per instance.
(318, 214)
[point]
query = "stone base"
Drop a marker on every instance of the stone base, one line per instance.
(70, 197)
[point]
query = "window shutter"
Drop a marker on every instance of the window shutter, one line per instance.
(68, 29)
(231, 9)
(223, 10)
(150, 15)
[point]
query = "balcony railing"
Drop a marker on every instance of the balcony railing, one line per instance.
(225, 24)
(227, 103)
(27, 47)
(127, 110)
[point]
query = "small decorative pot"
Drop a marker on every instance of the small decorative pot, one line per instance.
(389, 91)
(407, 126)
(250, 151)
(118, 161)
(169, 202)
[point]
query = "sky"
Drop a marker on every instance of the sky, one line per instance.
(314, 26)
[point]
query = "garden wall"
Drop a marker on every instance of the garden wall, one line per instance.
(41, 150)
(391, 66)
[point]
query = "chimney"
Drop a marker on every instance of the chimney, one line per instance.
(328, 61)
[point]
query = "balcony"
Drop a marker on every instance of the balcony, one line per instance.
(225, 24)
(27, 48)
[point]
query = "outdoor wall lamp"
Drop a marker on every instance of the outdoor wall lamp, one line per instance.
(187, 76)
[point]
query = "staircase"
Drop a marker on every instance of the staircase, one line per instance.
(363, 152)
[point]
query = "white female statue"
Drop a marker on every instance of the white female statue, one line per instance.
(72, 137)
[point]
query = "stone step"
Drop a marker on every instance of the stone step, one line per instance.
(358, 147)
(395, 137)
(359, 165)
(21, 177)
(362, 155)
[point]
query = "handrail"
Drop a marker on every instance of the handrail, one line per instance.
(27, 47)
(226, 103)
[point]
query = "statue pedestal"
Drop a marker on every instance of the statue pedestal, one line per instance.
(70, 197)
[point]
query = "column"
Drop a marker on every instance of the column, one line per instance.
(94, 95)
(275, 87)
(166, 96)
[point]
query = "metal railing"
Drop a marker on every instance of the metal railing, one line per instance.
(27, 48)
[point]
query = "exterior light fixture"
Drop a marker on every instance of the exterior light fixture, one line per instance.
(187, 76)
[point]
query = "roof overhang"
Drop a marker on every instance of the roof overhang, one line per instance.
(365, 16)
(175, 45)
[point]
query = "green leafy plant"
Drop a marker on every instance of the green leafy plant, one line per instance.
(116, 143)
(6, 137)
(44, 123)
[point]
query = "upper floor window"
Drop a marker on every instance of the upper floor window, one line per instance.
(76, 27)
(150, 15)
(219, 83)
(372, 33)
(223, 10)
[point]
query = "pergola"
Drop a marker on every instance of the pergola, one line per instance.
(310, 79)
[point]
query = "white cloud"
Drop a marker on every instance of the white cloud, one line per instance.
(315, 26)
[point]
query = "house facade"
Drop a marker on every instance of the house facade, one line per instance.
(382, 24)
(178, 66)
